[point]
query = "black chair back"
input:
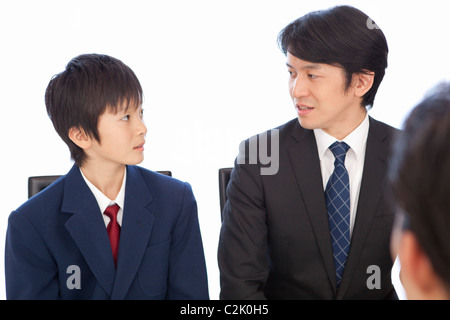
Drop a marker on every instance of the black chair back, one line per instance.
(38, 183)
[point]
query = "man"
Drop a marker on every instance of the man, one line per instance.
(108, 229)
(420, 175)
(319, 227)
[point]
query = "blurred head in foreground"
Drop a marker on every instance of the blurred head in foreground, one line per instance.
(420, 177)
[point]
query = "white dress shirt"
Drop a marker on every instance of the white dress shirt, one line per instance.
(104, 202)
(354, 160)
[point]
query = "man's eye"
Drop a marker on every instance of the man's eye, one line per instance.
(312, 76)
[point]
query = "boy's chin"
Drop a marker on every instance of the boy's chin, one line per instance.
(134, 162)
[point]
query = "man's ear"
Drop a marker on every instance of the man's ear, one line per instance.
(363, 82)
(80, 137)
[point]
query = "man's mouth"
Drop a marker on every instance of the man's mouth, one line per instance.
(303, 110)
(304, 107)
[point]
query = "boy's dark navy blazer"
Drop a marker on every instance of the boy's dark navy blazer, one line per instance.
(160, 254)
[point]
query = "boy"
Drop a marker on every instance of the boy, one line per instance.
(317, 227)
(108, 229)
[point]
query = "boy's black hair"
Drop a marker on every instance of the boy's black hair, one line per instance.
(342, 36)
(89, 85)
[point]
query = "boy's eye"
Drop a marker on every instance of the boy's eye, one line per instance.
(312, 76)
(142, 113)
(126, 118)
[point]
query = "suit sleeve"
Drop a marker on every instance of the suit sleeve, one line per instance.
(242, 252)
(30, 272)
(187, 269)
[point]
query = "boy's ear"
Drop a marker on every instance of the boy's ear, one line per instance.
(363, 82)
(80, 137)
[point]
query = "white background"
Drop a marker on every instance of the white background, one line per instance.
(212, 76)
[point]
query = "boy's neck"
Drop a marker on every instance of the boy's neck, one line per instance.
(105, 178)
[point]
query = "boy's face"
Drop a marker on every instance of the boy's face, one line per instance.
(319, 96)
(122, 138)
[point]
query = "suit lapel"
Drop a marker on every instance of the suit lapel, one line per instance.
(372, 186)
(306, 165)
(87, 228)
(135, 232)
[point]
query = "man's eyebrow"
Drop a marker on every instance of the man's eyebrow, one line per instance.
(315, 66)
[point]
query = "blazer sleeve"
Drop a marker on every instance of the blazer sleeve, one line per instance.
(242, 252)
(187, 269)
(30, 271)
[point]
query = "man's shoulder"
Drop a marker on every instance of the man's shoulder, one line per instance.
(287, 127)
(282, 131)
(385, 126)
(291, 124)
(382, 129)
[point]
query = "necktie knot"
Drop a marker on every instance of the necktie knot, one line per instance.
(339, 150)
(111, 212)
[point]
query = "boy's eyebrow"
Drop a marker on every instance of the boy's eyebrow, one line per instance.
(124, 106)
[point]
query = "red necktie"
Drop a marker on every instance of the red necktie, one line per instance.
(113, 230)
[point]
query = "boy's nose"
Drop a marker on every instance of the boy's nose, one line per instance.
(142, 128)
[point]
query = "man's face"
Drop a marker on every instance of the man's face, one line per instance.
(122, 138)
(319, 94)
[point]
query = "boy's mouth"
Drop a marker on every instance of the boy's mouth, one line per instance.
(140, 147)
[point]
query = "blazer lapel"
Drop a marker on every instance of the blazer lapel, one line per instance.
(306, 164)
(87, 228)
(372, 185)
(135, 232)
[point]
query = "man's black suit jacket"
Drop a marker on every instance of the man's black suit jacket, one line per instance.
(275, 241)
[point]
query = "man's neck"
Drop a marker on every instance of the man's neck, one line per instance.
(348, 125)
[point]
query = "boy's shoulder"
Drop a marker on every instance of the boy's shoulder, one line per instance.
(158, 184)
(154, 178)
(43, 204)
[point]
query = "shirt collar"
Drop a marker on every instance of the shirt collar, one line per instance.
(356, 139)
(102, 200)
